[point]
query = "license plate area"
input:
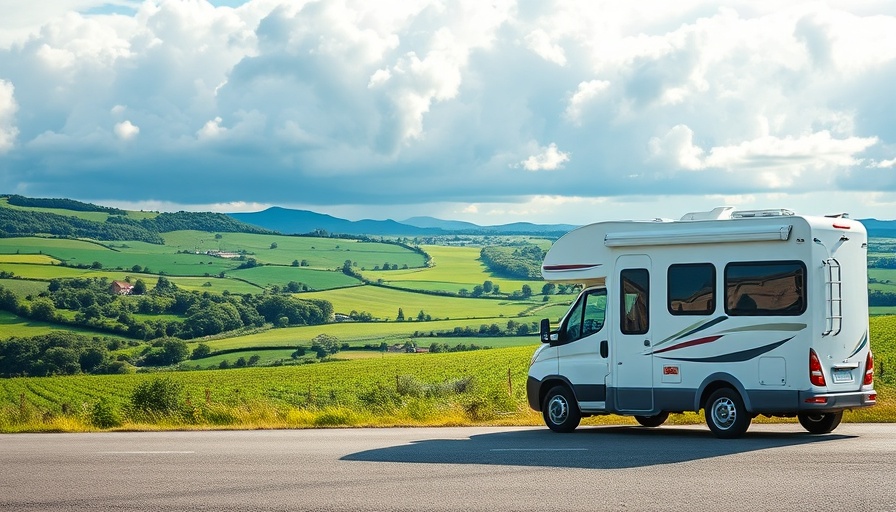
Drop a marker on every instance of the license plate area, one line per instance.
(842, 375)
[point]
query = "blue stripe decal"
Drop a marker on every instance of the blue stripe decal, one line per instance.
(862, 343)
(734, 357)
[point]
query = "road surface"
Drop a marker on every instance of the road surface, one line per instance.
(773, 467)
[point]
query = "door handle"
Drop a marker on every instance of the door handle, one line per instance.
(646, 343)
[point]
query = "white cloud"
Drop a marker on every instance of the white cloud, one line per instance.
(676, 149)
(211, 129)
(549, 159)
(540, 42)
(775, 162)
(8, 108)
(125, 130)
(586, 93)
(367, 103)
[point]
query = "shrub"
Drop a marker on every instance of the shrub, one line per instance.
(103, 414)
(159, 396)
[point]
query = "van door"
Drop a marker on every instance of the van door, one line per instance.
(580, 361)
(631, 355)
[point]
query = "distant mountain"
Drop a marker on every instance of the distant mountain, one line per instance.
(456, 226)
(289, 221)
(880, 228)
(447, 225)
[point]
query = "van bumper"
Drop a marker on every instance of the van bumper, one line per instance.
(833, 402)
(533, 390)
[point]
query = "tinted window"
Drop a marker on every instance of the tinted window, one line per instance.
(775, 288)
(635, 290)
(692, 289)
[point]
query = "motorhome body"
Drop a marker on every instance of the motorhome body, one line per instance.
(737, 313)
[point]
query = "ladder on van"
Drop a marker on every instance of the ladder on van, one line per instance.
(834, 313)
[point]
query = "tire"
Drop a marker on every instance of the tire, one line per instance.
(560, 410)
(652, 421)
(726, 415)
(820, 423)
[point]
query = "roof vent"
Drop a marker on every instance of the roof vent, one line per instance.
(720, 213)
(772, 212)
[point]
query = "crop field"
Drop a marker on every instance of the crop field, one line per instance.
(370, 333)
(277, 355)
(320, 253)
(268, 275)
(477, 387)
(493, 384)
(885, 277)
(36, 259)
(383, 303)
(22, 288)
(455, 268)
(170, 259)
(209, 284)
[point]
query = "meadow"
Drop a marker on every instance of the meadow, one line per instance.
(465, 388)
(454, 268)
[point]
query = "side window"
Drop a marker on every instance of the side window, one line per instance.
(773, 288)
(573, 329)
(595, 312)
(587, 316)
(634, 295)
(692, 289)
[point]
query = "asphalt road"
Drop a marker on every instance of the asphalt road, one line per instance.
(773, 467)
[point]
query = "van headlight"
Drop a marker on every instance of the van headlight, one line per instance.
(535, 355)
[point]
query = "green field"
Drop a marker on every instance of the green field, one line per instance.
(454, 268)
(15, 326)
(383, 303)
(314, 279)
(320, 253)
(23, 288)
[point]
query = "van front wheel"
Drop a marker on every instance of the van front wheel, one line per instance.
(820, 423)
(560, 411)
(726, 415)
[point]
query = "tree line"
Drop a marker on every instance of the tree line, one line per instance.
(118, 227)
(59, 353)
(514, 262)
(199, 314)
(60, 203)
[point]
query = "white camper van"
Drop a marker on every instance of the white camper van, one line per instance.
(739, 313)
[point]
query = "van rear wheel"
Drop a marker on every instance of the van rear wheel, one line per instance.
(560, 411)
(726, 415)
(820, 423)
(652, 421)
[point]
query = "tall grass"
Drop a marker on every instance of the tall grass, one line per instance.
(474, 388)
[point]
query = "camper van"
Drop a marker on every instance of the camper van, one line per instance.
(738, 313)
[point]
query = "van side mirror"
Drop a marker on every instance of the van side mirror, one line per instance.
(547, 336)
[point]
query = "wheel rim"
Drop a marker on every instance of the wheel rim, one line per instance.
(558, 409)
(724, 413)
(814, 418)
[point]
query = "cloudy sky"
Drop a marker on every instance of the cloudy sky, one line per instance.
(490, 112)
